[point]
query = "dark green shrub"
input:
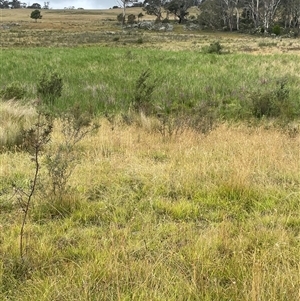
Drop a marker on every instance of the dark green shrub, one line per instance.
(203, 118)
(131, 19)
(215, 47)
(140, 41)
(144, 89)
(273, 102)
(276, 30)
(120, 18)
(13, 91)
(36, 14)
(49, 87)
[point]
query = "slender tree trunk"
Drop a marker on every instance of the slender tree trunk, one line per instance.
(124, 13)
(237, 19)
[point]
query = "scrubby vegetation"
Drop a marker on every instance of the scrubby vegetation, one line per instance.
(142, 174)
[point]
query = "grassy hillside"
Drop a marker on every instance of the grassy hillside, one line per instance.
(189, 190)
(69, 28)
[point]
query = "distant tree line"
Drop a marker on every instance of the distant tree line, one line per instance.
(12, 4)
(18, 4)
(258, 15)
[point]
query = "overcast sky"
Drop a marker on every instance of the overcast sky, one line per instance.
(87, 4)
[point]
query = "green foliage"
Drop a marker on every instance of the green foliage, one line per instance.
(144, 89)
(49, 87)
(38, 135)
(171, 125)
(140, 16)
(276, 30)
(215, 47)
(131, 19)
(120, 18)
(35, 140)
(154, 7)
(204, 118)
(61, 160)
(273, 103)
(13, 90)
(187, 80)
(36, 14)
(199, 234)
(15, 271)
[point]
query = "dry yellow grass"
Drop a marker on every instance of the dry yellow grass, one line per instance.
(152, 222)
(64, 19)
(230, 155)
(14, 118)
(239, 155)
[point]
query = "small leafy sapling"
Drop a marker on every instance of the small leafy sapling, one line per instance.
(36, 14)
(140, 16)
(131, 19)
(120, 18)
(144, 88)
(35, 140)
(49, 87)
(61, 161)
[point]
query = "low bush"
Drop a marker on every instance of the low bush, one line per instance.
(274, 103)
(49, 87)
(276, 30)
(13, 90)
(215, 47)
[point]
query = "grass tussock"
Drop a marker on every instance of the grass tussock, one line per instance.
(195, 217)
(15, 117)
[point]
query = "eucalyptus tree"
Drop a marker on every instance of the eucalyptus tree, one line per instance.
(180, 8)
(211, 14)
(269, 10)
(263, 12)
(290, 13)
(123, 4)
(231, 13)
(155, 7)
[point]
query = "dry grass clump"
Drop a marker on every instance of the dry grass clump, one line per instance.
(15, 117)
(238, 156)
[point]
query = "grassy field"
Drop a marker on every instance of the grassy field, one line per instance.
(154, 208)
(68, 28)
(105, 78)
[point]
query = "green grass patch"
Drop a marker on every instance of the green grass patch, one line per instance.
(104, 79)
